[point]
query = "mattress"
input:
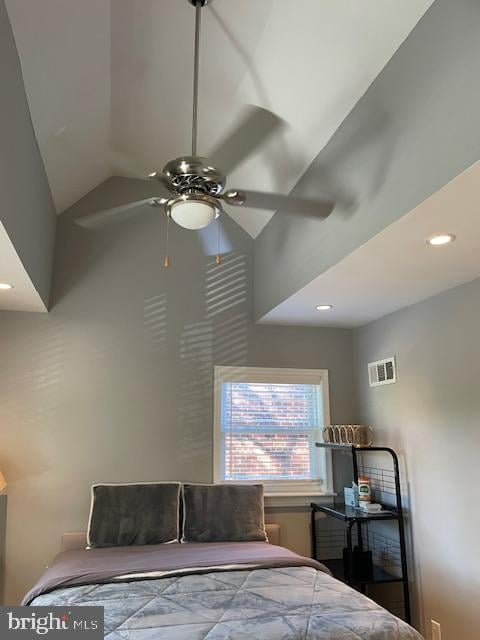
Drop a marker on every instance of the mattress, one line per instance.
(212, 591)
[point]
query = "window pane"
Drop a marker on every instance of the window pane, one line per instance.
(269, 431)
(283, 406)
(261, 457)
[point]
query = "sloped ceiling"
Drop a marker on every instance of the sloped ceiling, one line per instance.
(64, 50)
(103, 75)
(413, 132)
(396, 267)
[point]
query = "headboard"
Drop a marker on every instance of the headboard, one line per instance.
(73, 541)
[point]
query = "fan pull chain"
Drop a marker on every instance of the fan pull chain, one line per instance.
(166, 259)
(218, 257)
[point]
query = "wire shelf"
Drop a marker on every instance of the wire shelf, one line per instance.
(330, 544)
(342, 550)
(386, 551)
(382, 482)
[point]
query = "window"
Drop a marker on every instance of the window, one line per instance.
(266, 424)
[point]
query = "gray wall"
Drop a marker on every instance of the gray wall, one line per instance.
(431, 417)
(115, 383)
(26, 207)
(414, 130)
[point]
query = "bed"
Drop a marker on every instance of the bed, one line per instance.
(214, 591)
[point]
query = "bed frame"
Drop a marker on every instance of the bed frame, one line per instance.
(74, 541)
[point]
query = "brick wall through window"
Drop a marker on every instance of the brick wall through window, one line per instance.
(269, 431)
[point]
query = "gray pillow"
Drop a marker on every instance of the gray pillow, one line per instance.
(134, 514)
(223, 513)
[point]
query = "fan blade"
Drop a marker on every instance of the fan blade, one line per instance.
(117, 214)
(279, 203)
(255, 126)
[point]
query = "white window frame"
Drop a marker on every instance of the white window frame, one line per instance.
(274, 488)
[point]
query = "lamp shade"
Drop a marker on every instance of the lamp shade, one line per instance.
(3, 482)
(193, 214)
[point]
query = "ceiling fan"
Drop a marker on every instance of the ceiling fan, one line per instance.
(192, 188)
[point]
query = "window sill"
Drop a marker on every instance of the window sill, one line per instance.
(296, 499)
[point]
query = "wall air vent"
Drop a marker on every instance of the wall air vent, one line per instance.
(382, 372)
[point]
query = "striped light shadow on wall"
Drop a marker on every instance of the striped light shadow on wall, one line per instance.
(155, 323)
(34, 364)
(227, 306)
(221, 338)
(226, 284)
(194, 419)
(230, 340)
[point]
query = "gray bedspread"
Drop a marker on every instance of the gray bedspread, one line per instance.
(294, 602)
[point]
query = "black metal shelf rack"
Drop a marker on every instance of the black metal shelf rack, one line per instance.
(343, 568)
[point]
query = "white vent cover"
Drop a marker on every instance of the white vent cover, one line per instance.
(382, 372)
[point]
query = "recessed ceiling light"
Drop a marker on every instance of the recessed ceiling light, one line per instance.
(4, 286)
(324, 307)
(440, 239)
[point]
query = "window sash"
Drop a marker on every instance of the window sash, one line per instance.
(315, 462)
(320, 476)
(270, 401)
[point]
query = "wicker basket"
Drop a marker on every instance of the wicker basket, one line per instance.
(357, 435)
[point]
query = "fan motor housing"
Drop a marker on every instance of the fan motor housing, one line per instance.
(193, 173)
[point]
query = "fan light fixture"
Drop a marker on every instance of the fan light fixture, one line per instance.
(4, 286)
(440, 239)
(324, 307)
(194, 211)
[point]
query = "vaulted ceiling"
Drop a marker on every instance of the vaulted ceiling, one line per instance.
(104, 76)
(109, 86)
